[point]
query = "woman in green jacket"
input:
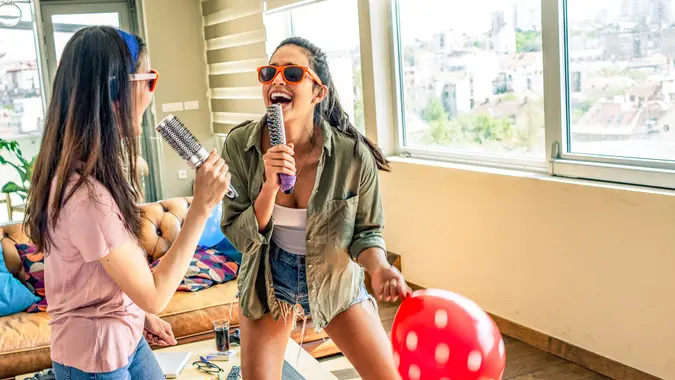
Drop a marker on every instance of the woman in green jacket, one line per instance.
(307, 251)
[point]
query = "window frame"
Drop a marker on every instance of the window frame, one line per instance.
(559, 160)
(293, 6)
(448, 154)
(564, 162)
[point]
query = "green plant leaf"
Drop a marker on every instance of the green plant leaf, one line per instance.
(11, 187)
(20, 170)
(29, 169)
(11, 146)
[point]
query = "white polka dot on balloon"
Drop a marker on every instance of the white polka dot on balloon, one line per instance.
(411, 341)
(475, 360)
(441, 319)
(397, 359)
(442, 354)
(414, 372)
(501, 348)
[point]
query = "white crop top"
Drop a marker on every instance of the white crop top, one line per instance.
(290, 229)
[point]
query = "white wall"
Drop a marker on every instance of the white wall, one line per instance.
(590, 265)
(177, 52)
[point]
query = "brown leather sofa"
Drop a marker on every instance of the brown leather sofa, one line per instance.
(24, 338)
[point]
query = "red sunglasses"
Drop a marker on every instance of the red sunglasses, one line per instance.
(290, 73)
(152, 77)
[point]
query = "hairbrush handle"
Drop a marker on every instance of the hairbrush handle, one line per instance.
(203, 155)
(287, 182)
(275, 125)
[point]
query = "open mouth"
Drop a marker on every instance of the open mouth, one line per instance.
(280, 98)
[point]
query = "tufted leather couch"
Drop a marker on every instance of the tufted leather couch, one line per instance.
(24, 338)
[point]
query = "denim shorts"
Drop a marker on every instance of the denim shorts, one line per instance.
(289, 277)
(142, 366)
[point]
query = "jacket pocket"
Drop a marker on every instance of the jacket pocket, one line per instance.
(341, 219)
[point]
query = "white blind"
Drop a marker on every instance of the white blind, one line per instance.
(235, 46)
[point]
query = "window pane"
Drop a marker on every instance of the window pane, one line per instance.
(622, 80)
(343, 48)
(21, 109)
(65, 26)
(472, 76)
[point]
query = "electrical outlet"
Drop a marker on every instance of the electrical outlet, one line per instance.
(182, 174)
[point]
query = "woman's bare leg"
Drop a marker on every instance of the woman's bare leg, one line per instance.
(359, 334)
(263, 346)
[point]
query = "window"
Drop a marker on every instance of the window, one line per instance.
(65, 26)
(621, 100)
(318, 22)
(21, 108)
(21, 103)
(589, 93)
(24, 67)
(472, 78)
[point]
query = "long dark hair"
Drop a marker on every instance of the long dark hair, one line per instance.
(88, 130)
(330, 108)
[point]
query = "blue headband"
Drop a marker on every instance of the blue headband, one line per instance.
(132, 44)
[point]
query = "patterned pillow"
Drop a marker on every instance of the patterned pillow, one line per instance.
(207, 268)
(34, 268)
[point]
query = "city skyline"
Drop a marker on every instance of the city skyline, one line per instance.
(424, 17)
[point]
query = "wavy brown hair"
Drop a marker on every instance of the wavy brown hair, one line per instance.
(331, 109)
(88, 130)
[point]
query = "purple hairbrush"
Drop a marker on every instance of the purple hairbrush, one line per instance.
(275, 124)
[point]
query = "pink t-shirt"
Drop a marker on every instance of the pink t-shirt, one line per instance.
(95, 326)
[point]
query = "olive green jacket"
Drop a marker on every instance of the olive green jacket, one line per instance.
(344, 218)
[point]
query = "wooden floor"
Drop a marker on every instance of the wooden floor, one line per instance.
(523, 362)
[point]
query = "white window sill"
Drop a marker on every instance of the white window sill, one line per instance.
(530, 174)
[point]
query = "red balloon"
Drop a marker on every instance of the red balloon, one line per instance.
(440, 335)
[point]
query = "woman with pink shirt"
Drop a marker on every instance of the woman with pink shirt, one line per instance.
(82, 213)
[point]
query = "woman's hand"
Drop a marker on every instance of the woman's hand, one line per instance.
(278, 159)
(212, 181)
(158, 332)
(388, 284)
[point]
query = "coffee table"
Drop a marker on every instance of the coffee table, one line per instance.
(308, 367)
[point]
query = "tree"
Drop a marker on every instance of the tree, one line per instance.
(443, 131)
(478, 129)
(529, 136)
(484, 128)
(578, 111)
(528, 41)
(434, 111)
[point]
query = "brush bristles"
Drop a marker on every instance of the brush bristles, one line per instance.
(275, 125)
(179, 137)
(184, 135)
